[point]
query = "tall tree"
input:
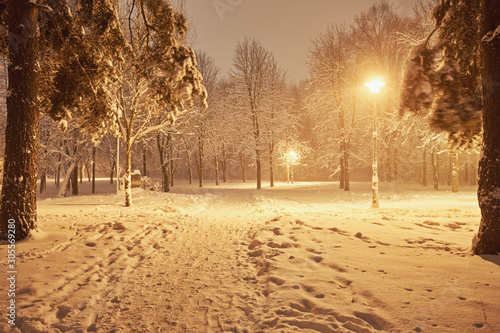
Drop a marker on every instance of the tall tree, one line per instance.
(252, 64)
(75, 53)
(470, 62)
(489, 166)
(159, 78)
(334, 75)
(18, 201)
(202, 118)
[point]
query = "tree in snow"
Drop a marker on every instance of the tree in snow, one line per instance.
(158, 79)
(202, 116)
(279, 117)
(489, 166)
(449, 88)
(378, 42)
(75, 53)
(334, 75)
(18, 201)
(443, 79)
(341, 61)
(252, 65)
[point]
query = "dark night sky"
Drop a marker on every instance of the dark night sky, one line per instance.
(285, 27)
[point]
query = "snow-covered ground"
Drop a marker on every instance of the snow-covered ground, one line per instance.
(306, 257)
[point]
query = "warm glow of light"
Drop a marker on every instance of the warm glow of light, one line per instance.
(375, 85)
(293, 156)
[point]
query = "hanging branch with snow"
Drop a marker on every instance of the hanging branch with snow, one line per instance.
(443, 79)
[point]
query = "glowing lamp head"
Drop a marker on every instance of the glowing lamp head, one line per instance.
(293, 156)
(375, 85)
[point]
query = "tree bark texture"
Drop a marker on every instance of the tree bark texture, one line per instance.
(489, 165)
(18, 200)
(435, 169)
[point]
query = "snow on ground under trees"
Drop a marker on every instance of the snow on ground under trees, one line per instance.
(296, 258)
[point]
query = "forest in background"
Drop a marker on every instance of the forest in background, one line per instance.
(108, 68)
(320, 128)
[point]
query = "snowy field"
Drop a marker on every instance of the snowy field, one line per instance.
(306, 257)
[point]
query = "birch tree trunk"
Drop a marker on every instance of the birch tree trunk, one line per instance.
(64, 186)
(128, 174)
(455, 173)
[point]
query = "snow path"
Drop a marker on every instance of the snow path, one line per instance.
(307, 258)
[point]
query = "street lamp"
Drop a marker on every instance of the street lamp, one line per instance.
(291, 158)
(375, 87)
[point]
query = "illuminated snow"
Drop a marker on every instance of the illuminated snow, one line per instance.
(235, 259)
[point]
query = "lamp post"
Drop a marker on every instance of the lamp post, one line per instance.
(375, 87)
(291, 158)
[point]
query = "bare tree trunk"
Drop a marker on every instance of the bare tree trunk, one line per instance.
(455, 173)
(74, 180)
(165, 176)
(144, 161)
(89, 172)
(216, 167)
(81, 172)
(435, 169)
(128, 174)
(255, 120)
(43, 181)
(64, 186)
(190, 168)
(200, 161)
(424, 167)
(271, 165)
(112, 172)
(347, 185)
(243, 165)
(488, 241)
(342, 172)
(259, 170)
(18, 200)
(93, 169)
(224, 163)
(58, 173)
(170, 159)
